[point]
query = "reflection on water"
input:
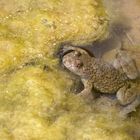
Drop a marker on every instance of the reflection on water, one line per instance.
(124, 29)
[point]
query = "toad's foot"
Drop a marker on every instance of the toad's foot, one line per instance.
(86, 95)
(126, 64)
(126, 95)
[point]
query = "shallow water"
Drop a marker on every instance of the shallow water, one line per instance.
(124, 26)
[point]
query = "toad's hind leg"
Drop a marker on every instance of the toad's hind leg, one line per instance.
(126, 95)
(131, 107)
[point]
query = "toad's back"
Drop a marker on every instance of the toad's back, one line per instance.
(105, 77)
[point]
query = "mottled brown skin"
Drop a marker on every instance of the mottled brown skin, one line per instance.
(97, 74)
(104, 77)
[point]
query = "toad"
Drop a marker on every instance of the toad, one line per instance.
(119, 77)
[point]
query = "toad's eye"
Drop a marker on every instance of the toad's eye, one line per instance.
(76, 53)
(79, 64)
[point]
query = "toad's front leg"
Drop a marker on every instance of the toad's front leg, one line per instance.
(87, 92)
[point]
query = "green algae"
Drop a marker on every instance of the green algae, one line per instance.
(37, 103)
(34, 105)
(39, 27)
